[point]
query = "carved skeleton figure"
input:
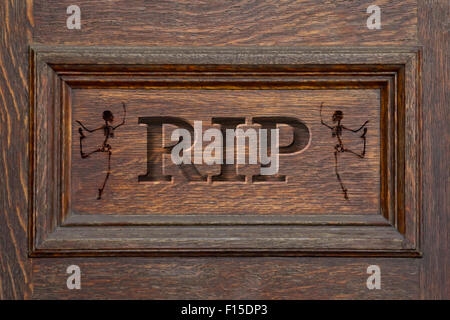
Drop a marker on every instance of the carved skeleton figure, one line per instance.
(108, 132)
(336, 131)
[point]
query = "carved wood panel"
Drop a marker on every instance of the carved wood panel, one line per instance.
(364, 201)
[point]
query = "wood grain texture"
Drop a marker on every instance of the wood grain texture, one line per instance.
(434, 17)
(226, 278)
(248, 23)
(16, 22)
(311, 186)
(227, 76)
(226, 23)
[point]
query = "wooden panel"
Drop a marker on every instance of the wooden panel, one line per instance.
(226, 278)
(15, 270)
(230, 23)
(434, 35)
(257, 277)
(372, 85)
(309, 187)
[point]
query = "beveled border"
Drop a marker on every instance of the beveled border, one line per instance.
(55, 230)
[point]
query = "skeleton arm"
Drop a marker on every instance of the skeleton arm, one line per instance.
(321, 120)
(88, 130)
(356, 130)
(124, 116)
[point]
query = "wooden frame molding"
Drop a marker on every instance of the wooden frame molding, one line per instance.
(56, 230)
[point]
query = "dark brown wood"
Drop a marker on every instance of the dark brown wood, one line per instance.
(217, 23)
(434, 36)
(221, 83)
(226, 278)
(231, 23)
(16, 20)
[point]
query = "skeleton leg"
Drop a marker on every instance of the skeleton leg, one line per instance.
(363, 136)
(86, 155)
(344, 190)
(100, 191)
(82, 137)
(353, 152)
